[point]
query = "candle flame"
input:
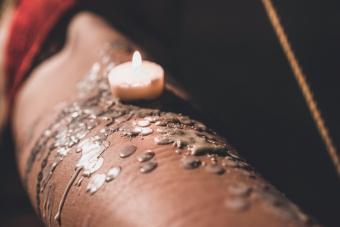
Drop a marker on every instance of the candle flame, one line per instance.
(136, 59)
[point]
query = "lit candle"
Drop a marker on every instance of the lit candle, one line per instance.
(137, 79)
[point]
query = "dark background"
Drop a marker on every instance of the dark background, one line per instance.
(227, 55)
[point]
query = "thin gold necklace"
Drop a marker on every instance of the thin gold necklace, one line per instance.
(302, 82)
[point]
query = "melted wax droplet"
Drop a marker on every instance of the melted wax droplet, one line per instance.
(126, 151)
(237, 204)
(92, 166)
(190, 162)
(163, 140)
(151, 119)
(214, 168)
(148, 167)
(95, 183)
(146, 156)
(143, 123)
(113, 173)
(146, 131)
(239, 189)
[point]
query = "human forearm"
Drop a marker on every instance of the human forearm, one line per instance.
(184, 189)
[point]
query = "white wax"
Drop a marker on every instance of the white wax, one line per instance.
(137, 80)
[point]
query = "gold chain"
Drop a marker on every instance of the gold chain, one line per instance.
(301, 79)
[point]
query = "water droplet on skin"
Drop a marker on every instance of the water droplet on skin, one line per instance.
(73, 141)
(92, 123)
(84, 144)
(146, 156)
(92, 166)
(163, 140)
(95, 149)
(236, 204)
(178, 151)
(151, 119)
(213, 160)
(90, 160)
(80, 133)
(126, 151)
(136, 130)
(113, 173)
(234, 155)
(229, 163)
(239, 189)
(142, 131)
(105, 131)
(180, 143)
(185, 136)
(116, 114)
(190, 162)
(47, 133)
(206, 148)
(94, 70)
(95, 183)
(147, 167)
(200, 126)
(162, 130)
(143, 123)
(106, 119)
(131, 133)
(63, 151)
(203, 163)
(89, 146)
(303, 217)
(214, 168)
(108, 104)
(244, 172)
(161, 123)
(242, 164)
(146, 131)
(75, 115)
(99, 137)
(187, 121)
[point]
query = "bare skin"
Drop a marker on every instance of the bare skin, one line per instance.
(167, 196)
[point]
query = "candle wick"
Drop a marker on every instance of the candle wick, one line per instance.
(136, 60)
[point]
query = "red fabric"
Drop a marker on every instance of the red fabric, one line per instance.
(31, 23)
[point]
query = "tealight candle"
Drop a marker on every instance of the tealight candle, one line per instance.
(137, 79)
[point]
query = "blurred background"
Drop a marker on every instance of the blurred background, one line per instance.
(227, 56)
